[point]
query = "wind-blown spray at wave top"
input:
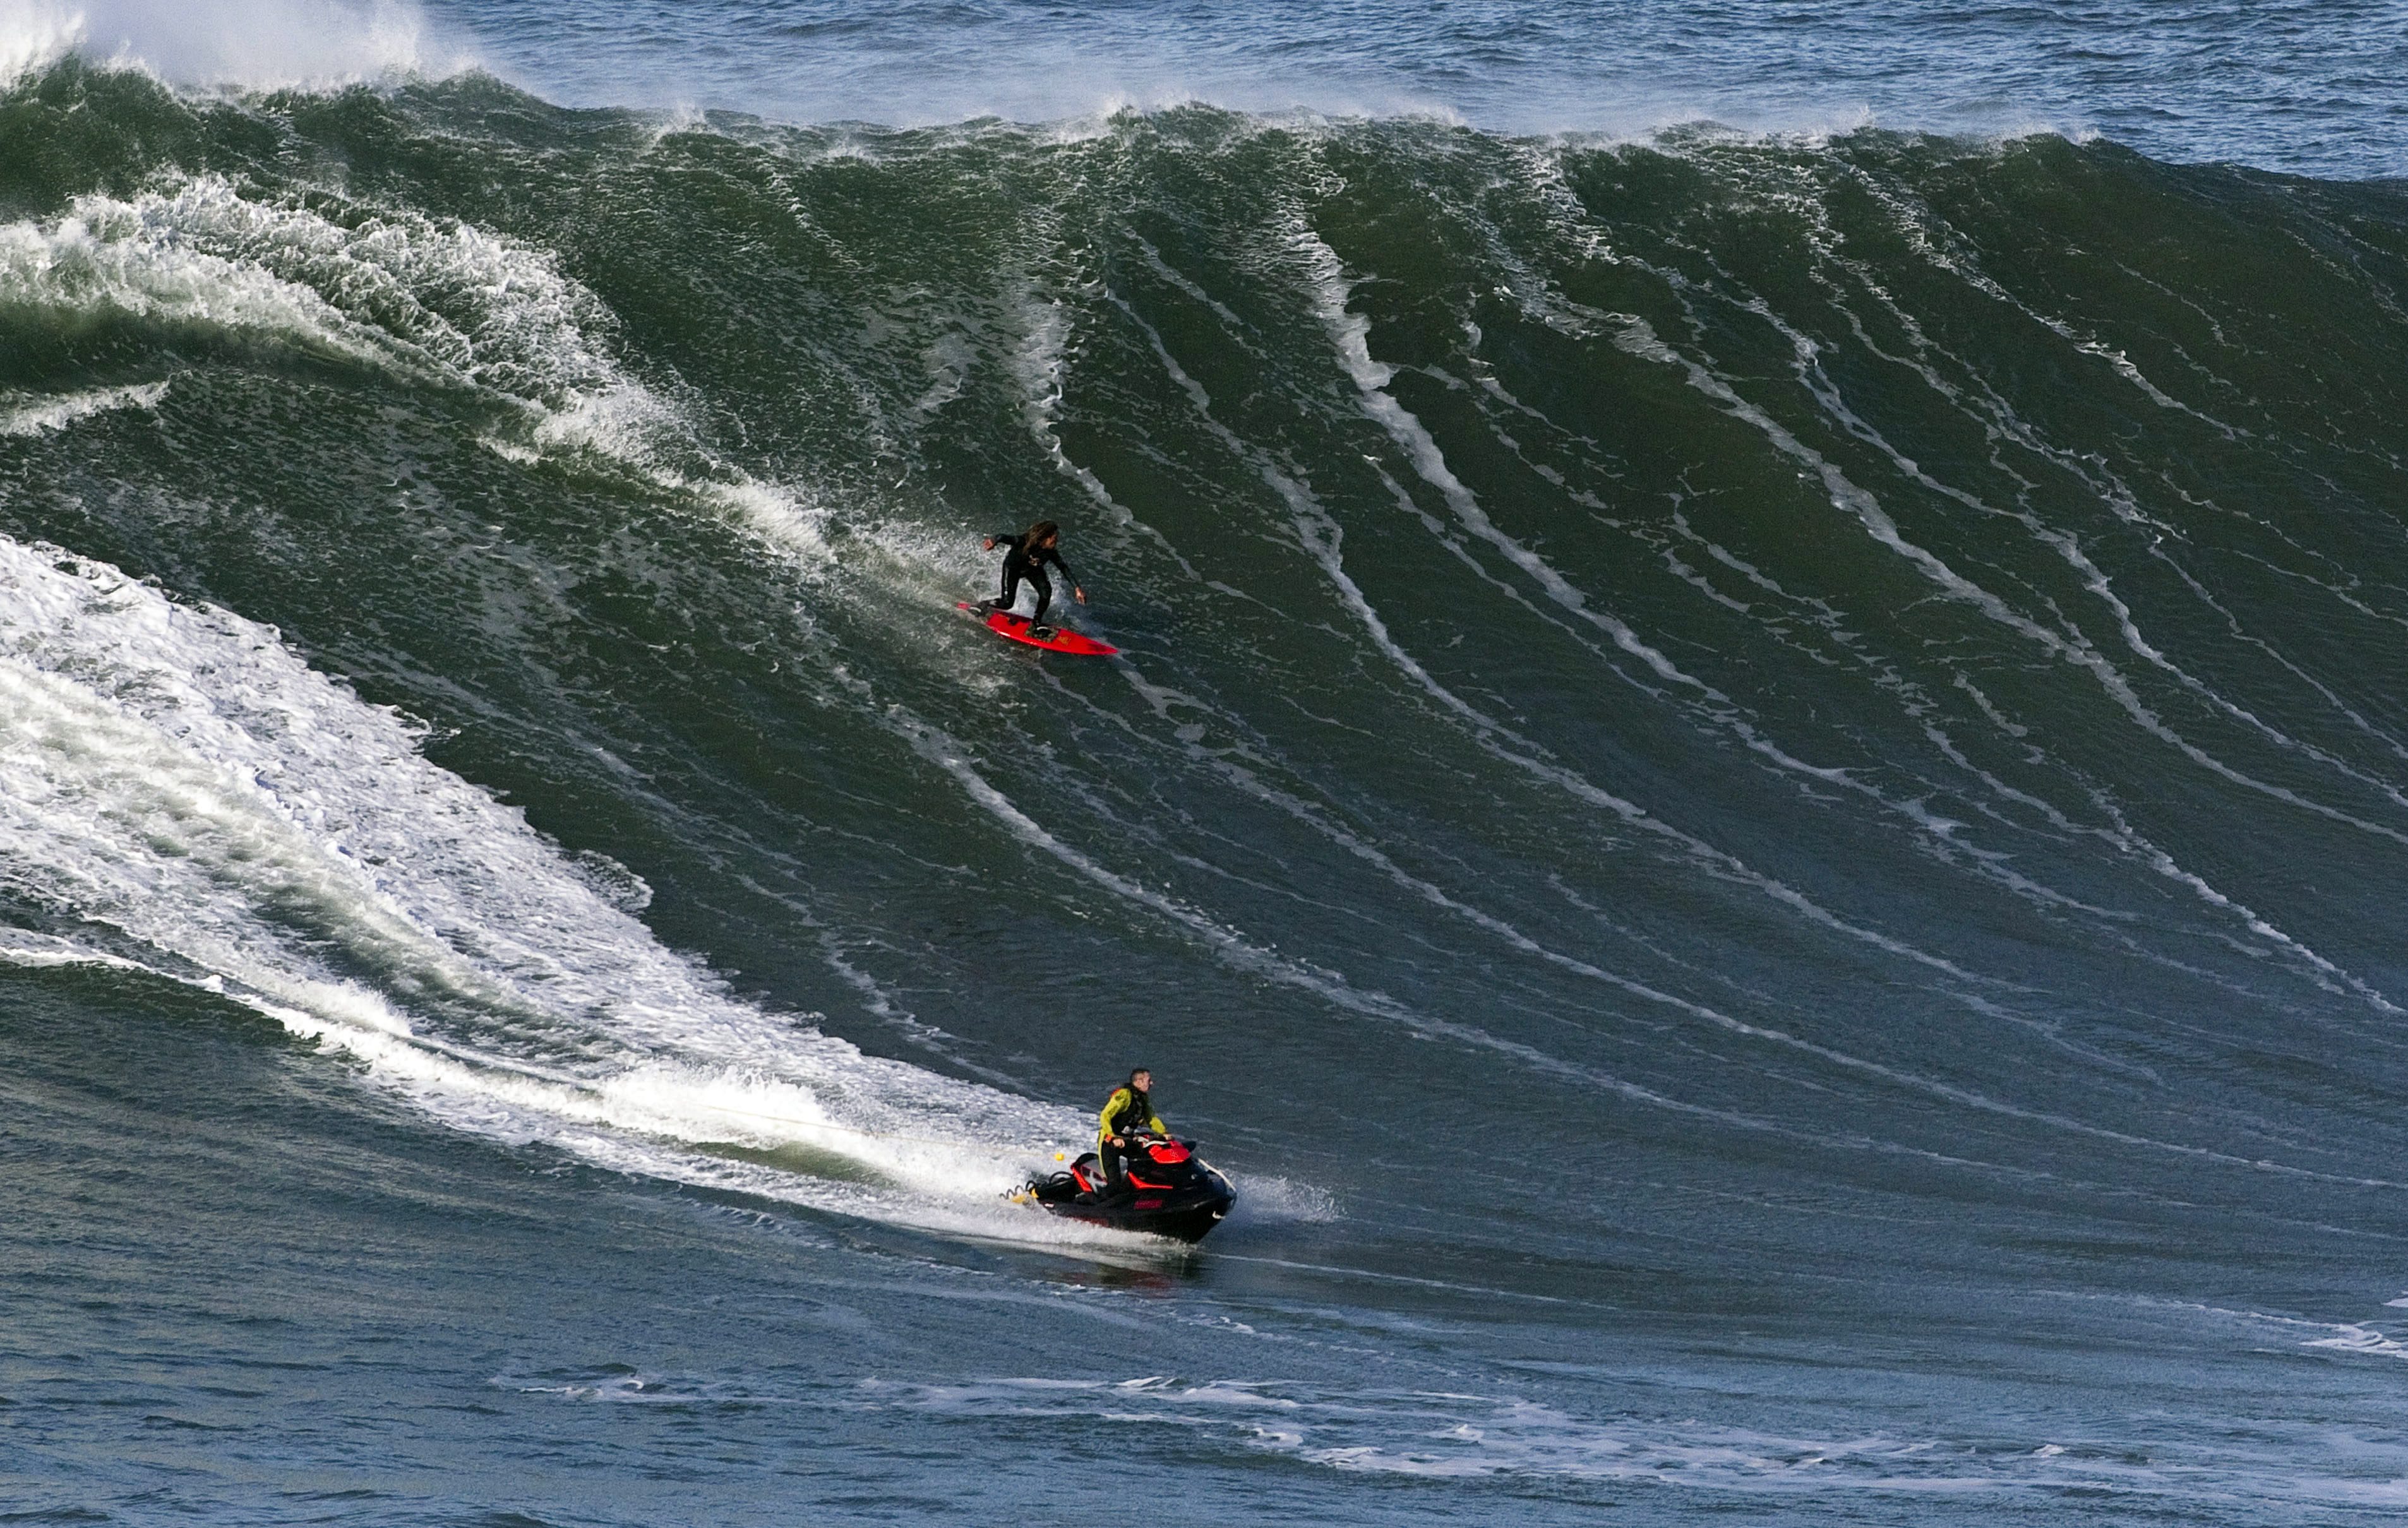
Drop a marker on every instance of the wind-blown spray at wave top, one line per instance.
(259, 44)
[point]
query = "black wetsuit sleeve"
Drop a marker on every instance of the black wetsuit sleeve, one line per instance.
(1053, 555)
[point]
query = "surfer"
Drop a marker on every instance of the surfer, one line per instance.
(1025, 558)
(1129, 1111)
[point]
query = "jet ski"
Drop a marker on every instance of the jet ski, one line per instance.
(1169, 1192)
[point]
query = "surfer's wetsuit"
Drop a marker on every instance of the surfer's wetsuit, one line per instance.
(1127, 1109)
(1020, 563)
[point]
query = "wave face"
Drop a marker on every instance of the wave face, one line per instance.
(1756, 790)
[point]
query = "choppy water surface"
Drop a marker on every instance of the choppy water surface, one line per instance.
(2305, 85)
(1754, 793)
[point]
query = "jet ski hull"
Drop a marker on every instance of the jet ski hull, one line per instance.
(1185, 1208)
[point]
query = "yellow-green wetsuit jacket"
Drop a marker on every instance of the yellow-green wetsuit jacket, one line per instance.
(1125, 1110)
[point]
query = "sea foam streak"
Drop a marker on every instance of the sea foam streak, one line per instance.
(20, 415)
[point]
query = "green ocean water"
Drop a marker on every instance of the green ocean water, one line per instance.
(1754, 792)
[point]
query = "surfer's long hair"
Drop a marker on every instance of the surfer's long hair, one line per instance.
(1038, 534)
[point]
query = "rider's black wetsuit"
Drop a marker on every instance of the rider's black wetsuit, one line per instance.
(1020, 563)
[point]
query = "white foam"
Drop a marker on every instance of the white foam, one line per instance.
(1285, 1199)
(181, 794)
(108, 256)
(2355, 1338)
(435, 301)
(21, 414)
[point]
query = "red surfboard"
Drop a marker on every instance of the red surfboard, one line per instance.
(1052, 638)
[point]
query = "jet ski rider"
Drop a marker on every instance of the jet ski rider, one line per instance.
(1127, 1112)
(1025, 558)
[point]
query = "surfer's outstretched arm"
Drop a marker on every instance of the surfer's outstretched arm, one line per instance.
(1076, 591)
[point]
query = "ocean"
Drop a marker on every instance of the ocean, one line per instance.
(1755, 794)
